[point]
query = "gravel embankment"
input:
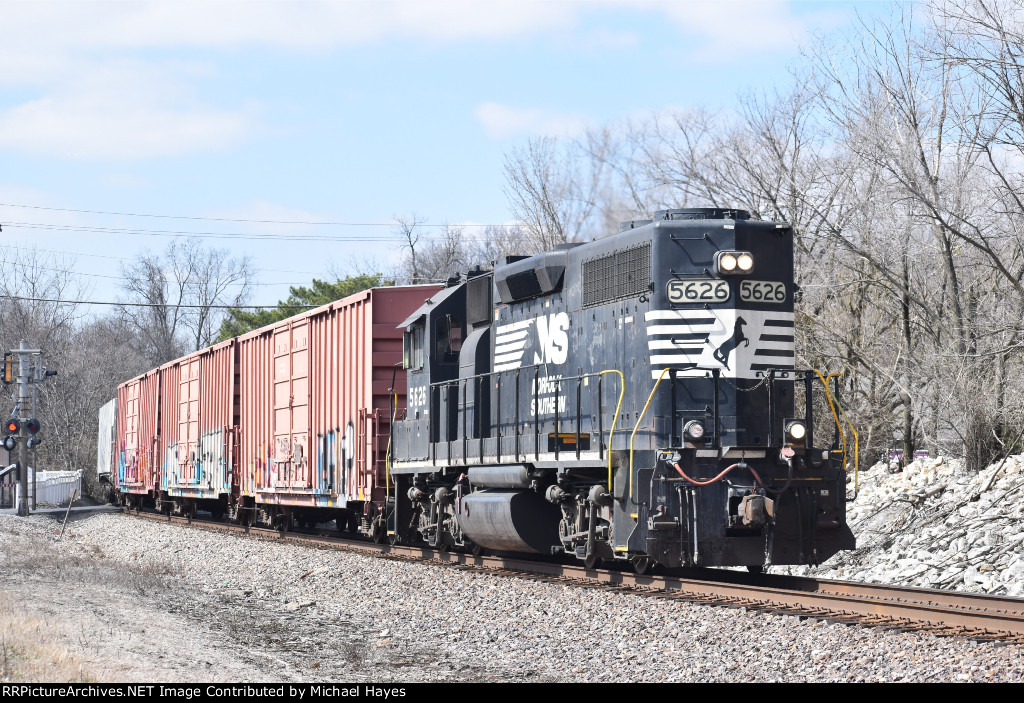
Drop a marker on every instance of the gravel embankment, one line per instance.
(937, 526)
(246, 610)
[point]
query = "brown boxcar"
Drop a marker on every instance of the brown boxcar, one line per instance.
(197, 420)
(138, 460)
(289, 420)
(314, 403)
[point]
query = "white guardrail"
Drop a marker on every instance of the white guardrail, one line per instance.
(57, 487)
(53, 487)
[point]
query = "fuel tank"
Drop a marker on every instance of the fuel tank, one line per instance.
(510, 521)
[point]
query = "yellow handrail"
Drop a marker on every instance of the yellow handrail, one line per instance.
(618, 408)
(839, 426)
(387, 455)
(856, 437)
(637, 427)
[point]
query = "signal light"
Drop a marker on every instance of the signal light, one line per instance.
(32, 426)
(10, 443)
(12, 426)
(34, 442)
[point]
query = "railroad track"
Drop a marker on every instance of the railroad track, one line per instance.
(944, 613)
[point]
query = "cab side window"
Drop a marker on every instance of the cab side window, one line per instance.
(412, 356)
(448, 338)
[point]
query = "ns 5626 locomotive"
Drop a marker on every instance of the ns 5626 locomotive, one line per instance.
(633, 398)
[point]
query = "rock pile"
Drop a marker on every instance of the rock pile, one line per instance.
(937, 526)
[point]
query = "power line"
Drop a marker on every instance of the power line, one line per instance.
(158, 305)
(233, 219)
(121, 278)
(205, 235)
(128, 258)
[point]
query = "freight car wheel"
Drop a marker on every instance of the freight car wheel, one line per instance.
(377, 531)
(643, 565)
(592, 561)
(477, 550)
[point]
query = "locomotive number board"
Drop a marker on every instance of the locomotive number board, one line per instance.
(702, 291)
(763, 291)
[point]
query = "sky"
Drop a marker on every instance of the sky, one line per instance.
(235, 119)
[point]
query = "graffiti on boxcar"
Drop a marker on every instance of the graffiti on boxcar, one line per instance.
(336, 450)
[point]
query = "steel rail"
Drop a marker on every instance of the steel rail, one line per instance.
(949, 613)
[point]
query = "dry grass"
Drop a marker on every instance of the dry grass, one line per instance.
(32, 649)
(36, 646)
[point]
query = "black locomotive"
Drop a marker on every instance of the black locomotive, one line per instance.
(631, 398)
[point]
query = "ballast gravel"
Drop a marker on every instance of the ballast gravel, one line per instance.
(226, 608)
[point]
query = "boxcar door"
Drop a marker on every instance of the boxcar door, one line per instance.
(131, 434)
(301, 465)
(291, 406)
(280, 467)
(188, 420)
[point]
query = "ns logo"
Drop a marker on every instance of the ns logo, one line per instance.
(553, 339)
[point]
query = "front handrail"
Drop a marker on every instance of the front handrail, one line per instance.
(832, 401)
(856, 438)
(636, 427)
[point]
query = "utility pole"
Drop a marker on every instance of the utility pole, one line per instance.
(22, 426)
(24, 378)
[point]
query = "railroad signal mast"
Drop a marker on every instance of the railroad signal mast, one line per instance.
(24, 367)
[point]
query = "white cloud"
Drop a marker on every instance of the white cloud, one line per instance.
(91, 101)
(123, 110)
(286, 23)
(503, 121)
(81, 97)
(92, 127)
(740, 29)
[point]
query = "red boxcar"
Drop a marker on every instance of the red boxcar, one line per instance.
(314, 406)
(197, 420)
(288, 421)
(138, 461)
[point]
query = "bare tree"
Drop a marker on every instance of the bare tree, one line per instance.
(174, 301)
(411, 233)
(496, 242)
(552, 188)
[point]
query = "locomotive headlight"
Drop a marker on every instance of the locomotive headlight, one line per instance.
(693, 430)
(796, 430)
(734, 263)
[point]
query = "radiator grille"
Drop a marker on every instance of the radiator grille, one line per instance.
(623, 274)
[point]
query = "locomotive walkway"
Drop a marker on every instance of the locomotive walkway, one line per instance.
(945, 613)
